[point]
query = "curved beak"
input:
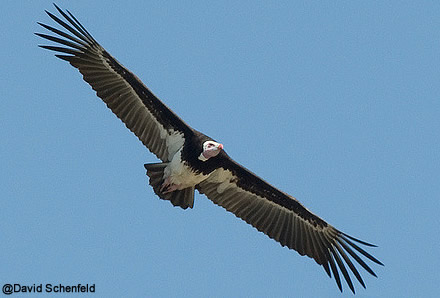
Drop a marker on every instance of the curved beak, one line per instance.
(220, 146)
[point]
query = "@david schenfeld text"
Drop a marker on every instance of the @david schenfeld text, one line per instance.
(52, 288)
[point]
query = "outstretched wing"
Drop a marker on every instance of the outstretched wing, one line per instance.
(285, 220)
(158, 128)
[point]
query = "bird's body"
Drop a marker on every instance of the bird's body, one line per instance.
(182, 175)
(191, 160)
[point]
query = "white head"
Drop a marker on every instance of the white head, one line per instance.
(210, 149)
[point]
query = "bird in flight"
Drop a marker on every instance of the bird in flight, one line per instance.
(191, 160)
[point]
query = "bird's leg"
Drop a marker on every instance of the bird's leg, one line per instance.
(168, 186)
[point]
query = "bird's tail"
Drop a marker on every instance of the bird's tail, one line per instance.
(183, 198)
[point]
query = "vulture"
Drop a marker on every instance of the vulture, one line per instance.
(191, 160)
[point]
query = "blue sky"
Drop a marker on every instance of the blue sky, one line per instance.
(334, 103)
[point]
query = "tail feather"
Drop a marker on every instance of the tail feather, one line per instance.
(183, 198)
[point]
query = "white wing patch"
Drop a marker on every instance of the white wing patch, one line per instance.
(174, 142)
(224, 178)
(221, 175)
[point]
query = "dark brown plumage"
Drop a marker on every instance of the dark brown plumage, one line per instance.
(221, 179)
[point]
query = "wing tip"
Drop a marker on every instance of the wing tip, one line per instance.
(56, 6)
(358, 240)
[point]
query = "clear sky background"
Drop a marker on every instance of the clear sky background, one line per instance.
(337, 104)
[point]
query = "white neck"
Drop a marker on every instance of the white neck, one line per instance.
(202, 157)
